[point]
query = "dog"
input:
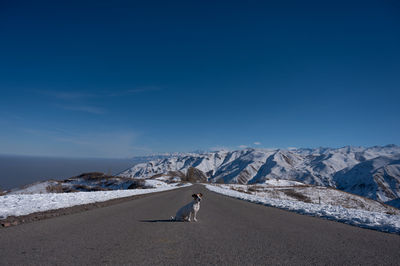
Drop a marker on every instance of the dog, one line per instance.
(191, 209)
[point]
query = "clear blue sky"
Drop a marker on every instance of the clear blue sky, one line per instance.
(125, 78)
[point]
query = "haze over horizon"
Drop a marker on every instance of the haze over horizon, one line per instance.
(123, 79)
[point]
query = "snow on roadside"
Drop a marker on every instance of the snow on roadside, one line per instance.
(39, 187)
(282, 182)
(155, 183)
(366, 219)
(23, 204)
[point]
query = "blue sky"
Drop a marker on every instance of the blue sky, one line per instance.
(124, 78)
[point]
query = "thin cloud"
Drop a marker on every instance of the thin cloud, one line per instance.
(107, 144)
(72, 141)
(74, 101)
(80, 95)
(257, 143)
(145, 89)
(67, 95)
(145, 150)
(132, 91)
(220, 148)
(242, 146)
(83, 108)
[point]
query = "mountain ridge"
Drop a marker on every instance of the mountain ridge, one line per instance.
(330, 167)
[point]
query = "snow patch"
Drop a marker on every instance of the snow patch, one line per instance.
(372, 172)
(282, 182)
(23, 204)
(362, 218)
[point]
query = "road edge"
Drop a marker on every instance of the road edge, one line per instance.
(37, 216)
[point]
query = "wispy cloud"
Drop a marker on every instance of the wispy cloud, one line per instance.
(128, 92)
(80, 95)
(257, 143)
(220, 148)
(144, 150)
(107, 144)
(103, 144)
(82, 100)
(73, 140)
(242, 146)
(67, 95)
(74, 101)
(83, 108)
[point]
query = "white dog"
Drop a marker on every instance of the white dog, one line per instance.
(184, 213)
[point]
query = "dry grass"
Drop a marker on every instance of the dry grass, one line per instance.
(241, 190)
(195, 175)
(256, 188)
(89, 189)
(93, 176)
(57, 188)
(137, 183)
(220, 181)
(294, 194)
(156, 176)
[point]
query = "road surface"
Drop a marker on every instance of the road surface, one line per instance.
(229, 232)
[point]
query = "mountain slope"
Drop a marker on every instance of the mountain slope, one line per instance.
(371, 172)
(378, 179)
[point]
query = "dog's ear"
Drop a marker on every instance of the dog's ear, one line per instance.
(194, 196)
(201, 195)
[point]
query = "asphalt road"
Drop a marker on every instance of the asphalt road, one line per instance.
(229, 232)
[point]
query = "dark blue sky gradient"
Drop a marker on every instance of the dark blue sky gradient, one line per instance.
(124, 78)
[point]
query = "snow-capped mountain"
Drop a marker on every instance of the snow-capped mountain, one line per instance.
(378, 178)
(372, 172)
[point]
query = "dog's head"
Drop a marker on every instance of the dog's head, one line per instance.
(197, 197)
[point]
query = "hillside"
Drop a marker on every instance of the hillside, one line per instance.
(371, 172)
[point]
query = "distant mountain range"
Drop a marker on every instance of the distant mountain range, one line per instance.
(372, 172)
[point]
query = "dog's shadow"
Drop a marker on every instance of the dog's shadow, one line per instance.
(160, 221)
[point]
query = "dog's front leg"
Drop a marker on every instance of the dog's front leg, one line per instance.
(194, 216)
